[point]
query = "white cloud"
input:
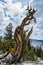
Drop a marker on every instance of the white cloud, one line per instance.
(4, 23)
(19, 9)
(16, 7)
(30, 2)
(1, 7)
(8, 1)
(13, 8)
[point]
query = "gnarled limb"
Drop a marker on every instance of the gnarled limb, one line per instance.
(30, 32)
(29, 17)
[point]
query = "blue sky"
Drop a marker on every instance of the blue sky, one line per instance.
(14, 11)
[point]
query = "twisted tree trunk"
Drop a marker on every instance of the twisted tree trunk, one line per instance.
(18, 35)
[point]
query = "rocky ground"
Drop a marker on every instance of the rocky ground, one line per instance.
(24, 63)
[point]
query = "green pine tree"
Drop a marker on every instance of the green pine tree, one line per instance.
(8, 33)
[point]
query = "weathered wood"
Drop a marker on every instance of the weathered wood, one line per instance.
(18, 34)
